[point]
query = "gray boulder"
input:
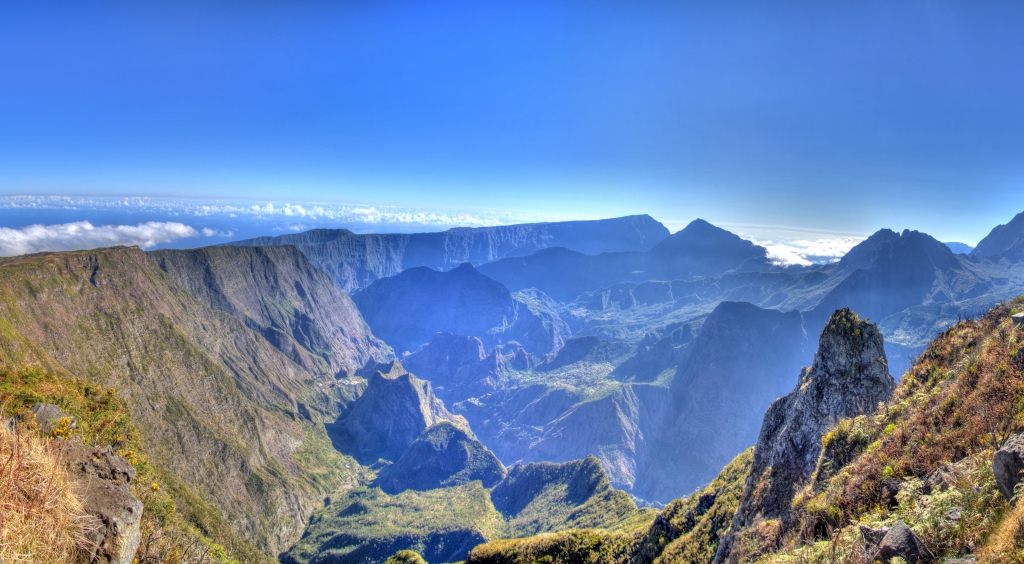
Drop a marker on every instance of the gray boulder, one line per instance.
(901, 541)
(1007, 465)
(48, 416)
(103, 477)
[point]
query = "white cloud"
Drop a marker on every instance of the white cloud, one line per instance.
(85, 235)
(806, 252)
(314, 213)
(207, 232)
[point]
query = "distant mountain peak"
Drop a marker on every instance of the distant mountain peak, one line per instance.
(1002, 238)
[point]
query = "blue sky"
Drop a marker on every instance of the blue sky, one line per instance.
(831, 117)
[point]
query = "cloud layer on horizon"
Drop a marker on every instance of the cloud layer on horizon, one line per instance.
(313, 212)
(84, 235)
(806, 252)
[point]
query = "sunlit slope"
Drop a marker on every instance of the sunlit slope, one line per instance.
(219, 407)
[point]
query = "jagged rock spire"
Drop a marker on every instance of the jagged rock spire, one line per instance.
(849, 377)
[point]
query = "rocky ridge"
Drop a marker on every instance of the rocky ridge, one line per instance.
(392, 412)
(443, 455)
(849, 377)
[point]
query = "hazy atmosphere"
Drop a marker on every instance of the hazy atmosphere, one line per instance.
(835, 119)
(533, 282)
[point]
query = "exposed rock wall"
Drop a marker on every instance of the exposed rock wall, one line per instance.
(278, 293)
(849, 377)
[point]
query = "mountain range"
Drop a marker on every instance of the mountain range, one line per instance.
(355, 261)
(332, 397)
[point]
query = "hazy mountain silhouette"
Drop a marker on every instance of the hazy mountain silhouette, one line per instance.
(356, 260)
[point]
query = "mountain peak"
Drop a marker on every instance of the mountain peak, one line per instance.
(444, 455)
(466, 268)
(392, 412)
(849, 377)
(1002, 238)
(709, 249)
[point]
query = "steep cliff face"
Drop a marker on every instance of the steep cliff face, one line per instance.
(221, 409)
(849, 377)
(890, 272)
(278, 293)
(393, 411)
(407, 309)
(917, 477)
(356, 261)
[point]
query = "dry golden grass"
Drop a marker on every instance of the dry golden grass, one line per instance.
(41, 518)
(1006, 545)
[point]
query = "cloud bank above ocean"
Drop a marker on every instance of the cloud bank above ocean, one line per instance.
(53, 223)
(84, 235)
(293, 214)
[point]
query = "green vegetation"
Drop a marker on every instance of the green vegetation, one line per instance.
(544, 497)
(366, 525)
(405, 557)
(101, 418)
(932, 443)
(224, 416)
(962, 398)
(688, 530)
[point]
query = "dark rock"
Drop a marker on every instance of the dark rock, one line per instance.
(890, 487)
(408, 309)
(459, 369)
(942, 478)
(901, 541)
(1007, 465)
(103, 477)
(872, 538)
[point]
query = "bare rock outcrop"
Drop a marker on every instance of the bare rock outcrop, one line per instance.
(849, 377)
(900, 541)
(103, 478)
(1007, 465)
